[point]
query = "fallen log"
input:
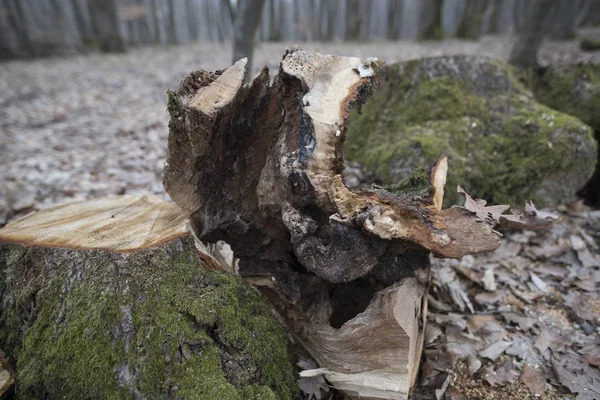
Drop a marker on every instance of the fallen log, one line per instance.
(108, 299)
(259, 166)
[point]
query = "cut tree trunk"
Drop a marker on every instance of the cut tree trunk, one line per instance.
(259, 166)
(108, 299)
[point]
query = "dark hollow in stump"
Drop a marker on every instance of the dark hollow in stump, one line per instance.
(259, 166)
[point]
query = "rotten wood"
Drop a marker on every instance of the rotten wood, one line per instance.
(259, 166)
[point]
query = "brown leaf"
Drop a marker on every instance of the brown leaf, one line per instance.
(495, 350)
(525, 323)
(477, 322)
(534, 380)
(591, 354)
(501, 376)
(478, 206)
(530, 218)
(545, 339)
(576, 376)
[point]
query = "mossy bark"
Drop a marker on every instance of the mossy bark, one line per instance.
(502, 145)
(153, 324)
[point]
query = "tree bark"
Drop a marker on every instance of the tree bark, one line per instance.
(470, 26)
(107, 28)
(247, 18)
(564, 20)
(259, 166)
(430, 19)
(110, 298)
(531, 32)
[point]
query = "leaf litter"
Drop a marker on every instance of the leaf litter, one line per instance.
(523, 321)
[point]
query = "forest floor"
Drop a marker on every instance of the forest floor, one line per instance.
(510, 324)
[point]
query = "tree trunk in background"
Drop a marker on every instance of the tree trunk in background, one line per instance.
(565, 20)
(14, 38)
(589, 13)
(83, 19)
(248, 15)
(492, 15)
(470, 26)
(531, 31)
(105, 21)
(171, 25)
(430, 19)
(394, 19)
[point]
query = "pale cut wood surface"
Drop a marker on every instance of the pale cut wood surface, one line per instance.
(119, 224)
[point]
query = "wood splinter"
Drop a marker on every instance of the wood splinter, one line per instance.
(259, 166)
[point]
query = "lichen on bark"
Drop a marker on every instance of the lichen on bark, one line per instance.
(153, 324)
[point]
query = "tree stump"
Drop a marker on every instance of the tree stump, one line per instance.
(108, 299)
(259, 166)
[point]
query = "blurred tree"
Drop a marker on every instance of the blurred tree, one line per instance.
(430, 19)
(588, 13)
(565, 19)
(531, 30)
(394, 19)
(107, 28)
(493, 16)
(247, 18)
(472, 20)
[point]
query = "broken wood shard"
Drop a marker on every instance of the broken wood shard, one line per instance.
(259, 166)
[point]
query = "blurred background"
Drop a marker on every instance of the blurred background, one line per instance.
(30, 28)
(83, 82)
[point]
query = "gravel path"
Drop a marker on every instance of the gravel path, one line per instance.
(97, 124)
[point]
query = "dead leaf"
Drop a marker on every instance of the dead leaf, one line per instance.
(534, 380)
(473, 365)
(523, 348)
(487, 298)
(588, 259)
(432, 332)
(314, 387)
(461, 345)
(477, 322)
(501, 376)
(439, 393)
(579, 304)
(591, 354)
(525, 323)
(489, 283)
(530, 218)
(576, 376)
(495, 350)
(489, 214)
(545, 339)
(538, 282)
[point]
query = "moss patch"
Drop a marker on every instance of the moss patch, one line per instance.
(501, 144)
(572, 89)
(154, 324)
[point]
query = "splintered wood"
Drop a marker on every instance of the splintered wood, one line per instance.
(259, 166)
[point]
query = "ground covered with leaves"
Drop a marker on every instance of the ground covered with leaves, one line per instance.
(521, 322)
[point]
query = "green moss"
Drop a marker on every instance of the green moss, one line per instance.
(417, 186)
(173, 105)
(501, 145)
(572, 89)
(588, 44)
(154, 325)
